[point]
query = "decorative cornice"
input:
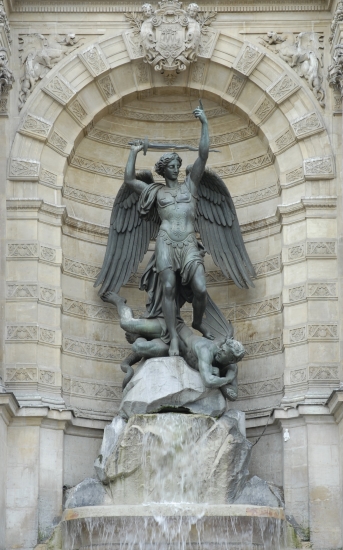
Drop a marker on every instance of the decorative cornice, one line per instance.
(221, 6)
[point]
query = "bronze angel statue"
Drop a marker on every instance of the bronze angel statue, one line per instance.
(172, 213)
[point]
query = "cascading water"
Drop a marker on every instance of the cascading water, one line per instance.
(172, 483)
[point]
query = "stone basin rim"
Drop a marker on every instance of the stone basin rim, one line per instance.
(172, 509)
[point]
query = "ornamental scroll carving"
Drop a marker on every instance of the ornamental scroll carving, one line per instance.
(6, 75)
(170, 38)
(302, 52)
(39, 54)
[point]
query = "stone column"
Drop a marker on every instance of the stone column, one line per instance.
(8, 409)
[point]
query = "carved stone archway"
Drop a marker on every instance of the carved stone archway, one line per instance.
(78, 92)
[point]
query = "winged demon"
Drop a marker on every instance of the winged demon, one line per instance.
(172, 213)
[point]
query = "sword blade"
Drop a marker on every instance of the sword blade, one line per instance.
(164, 146)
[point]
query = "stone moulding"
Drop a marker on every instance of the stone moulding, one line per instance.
(33, 251)
(94, 389)
(117, 140)
(33, 291)
(260, 388)
(311, 249)
(102, 351)
(224, 171)
(312, 290)
(311, 332)
(257, 348)
(89, 310)
(118, 111)
(32, 333)
(29, 375)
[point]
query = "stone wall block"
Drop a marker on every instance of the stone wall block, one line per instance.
(35, 127)
(23, 169)
(247, 59)
(319, 168)
(282, 88)
(59, 89)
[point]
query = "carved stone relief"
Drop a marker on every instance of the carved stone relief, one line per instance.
(134, 114)
(302, 52)
(6, 77)
(103, 351)
(338, 16)
(307, 125)
(24, 169)
(235, 86)
(59, 89)
(215, 140)
(22, 250)
(4, 21)
(22, 291)
(335, 70)
(298, 376)
(95, 60)
(106, 86)
(39, 54)
(247, 59)
(260, 388)
(282, 88)
(36, 127)
(170, 38)
(295, 176)
(325, 372)
(322, 249)
(319, 168)
(263, 347)
(322, 332)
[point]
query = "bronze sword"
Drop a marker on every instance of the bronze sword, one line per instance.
(163, 146)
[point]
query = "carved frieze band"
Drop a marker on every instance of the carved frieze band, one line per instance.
(106, 87)
(319, 168)
(103, 351)
(314, 290)
(106, 201)
(48, 178)
(258, 348)
(295, 176)
(263, 110)
(32, 250)
(215, 140)
(261, 308)
(89, 310)
(228, 170)
(28, 373)
(134, 114)
(257, 196)
(320, 373)
(315, 332)
(91, 389)
(247, 390)
(78, 111)
(83, 270)
(18, 290)
(311, 249)
(32, 333)
(58, 143)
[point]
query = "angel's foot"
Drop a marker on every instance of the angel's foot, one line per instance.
(174, 348)
(206, 333)
(112, 298)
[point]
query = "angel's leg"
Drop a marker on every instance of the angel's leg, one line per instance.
(198, 285)
(168, 281)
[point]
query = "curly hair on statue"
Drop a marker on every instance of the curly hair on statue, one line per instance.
(165, 159)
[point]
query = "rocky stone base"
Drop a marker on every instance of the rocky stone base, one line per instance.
(168, 383)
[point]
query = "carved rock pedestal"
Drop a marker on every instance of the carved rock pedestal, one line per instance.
(168, 383)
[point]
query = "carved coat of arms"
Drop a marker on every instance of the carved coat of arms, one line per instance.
(170, 38)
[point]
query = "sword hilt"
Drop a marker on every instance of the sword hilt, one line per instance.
(144, 142)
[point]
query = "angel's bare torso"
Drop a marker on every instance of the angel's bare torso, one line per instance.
(177, 208)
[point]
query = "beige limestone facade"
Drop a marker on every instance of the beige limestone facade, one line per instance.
(64, 131)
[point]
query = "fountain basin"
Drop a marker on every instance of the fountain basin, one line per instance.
(173, 526)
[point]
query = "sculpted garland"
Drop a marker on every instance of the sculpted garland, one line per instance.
(172, 213)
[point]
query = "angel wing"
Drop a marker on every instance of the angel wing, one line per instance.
(128, 239)
(217, 223)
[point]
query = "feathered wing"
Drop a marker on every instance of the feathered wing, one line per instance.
(217, 223)
(128, 238)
